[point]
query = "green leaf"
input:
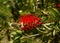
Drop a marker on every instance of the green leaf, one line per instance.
(54, 13)
(11, 41)
(19, 31)
(31, 1)
(25, 12)
(44, 18)
(2, 16)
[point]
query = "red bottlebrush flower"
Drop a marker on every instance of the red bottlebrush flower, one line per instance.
(29, 21)
(58, 5)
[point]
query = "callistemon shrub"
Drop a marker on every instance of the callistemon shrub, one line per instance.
(29, 21)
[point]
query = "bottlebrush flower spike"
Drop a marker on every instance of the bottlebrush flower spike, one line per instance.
(58, 5)
(29, 21)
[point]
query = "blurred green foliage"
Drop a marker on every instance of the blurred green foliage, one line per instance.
(10, 10)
